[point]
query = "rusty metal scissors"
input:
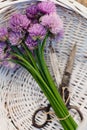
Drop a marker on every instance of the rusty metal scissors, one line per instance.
(63, 90)
(64, 86)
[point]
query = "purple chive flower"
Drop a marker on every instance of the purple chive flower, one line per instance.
(59, 35)
(53, 22)
(18, 22)
(3, 34)
(9, 64)
(37, 31)
(4, 56)
(46, 7)
(15, 37)
(2, 53)
(32, 11)
(30, 43)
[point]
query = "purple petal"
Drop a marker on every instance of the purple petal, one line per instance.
(18, 22)
(30, 43)
(9, 64)
(15, 37)
(37, 31)
(60, 35)
(32, 11)
(47, 7)
(2, 53)
(53, 22)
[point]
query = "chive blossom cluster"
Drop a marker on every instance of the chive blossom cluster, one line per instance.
(34, 24)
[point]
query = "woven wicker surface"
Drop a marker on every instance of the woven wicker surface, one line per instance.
(20, 96)
(71, 4)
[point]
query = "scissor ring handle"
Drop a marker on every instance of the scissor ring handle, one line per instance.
(77, 109)
(46, 109)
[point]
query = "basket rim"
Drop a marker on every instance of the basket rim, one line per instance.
(69, 4)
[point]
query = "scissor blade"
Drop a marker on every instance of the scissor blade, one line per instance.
(63, 89)
(70, 62)
(69, 67)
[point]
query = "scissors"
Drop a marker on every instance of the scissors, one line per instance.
(63, 90)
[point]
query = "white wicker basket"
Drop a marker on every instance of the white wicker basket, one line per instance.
(20, 95)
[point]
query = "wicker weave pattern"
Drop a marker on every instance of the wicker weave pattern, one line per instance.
(73, 4)
(20, 94)
(5, 123)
